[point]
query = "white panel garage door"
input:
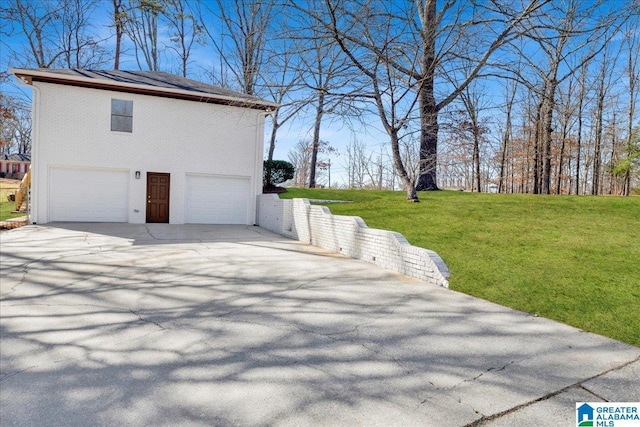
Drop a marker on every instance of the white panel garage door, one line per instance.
(88, 195)
(217, 200)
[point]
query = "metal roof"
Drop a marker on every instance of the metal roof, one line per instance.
(155, 83)
(18, 157)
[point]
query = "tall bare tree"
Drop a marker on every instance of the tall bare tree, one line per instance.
(417, 42)
(632, 40)
(185, 30)
(323, 71)
(141, 25)
(15, 125)
(76, 31)
(570, 34)
(36, 22)
(283, 83)
(603, 86)
(119, 19)
(507, 134)
(240, 38)
(56, 33)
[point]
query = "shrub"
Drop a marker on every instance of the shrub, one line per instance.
(276, 172)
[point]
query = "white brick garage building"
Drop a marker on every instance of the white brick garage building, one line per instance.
(118, 146)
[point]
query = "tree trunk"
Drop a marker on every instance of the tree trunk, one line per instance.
(506, 138)
(548, 138)
(428, 142)
(537, 163)
(579, 136)
(408, 185)
(274, 131)
(597, 156)
(119, 27)
(476, 160)
(633, 78)
(316, 139)
(428, 108)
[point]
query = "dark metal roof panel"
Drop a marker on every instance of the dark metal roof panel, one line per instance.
(149, 79)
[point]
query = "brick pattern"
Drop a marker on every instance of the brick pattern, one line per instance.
(349, 236)
(72, 129)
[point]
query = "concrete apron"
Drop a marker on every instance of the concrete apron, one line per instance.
(117, 324)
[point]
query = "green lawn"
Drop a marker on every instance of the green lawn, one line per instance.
(6, 207)
(575, 259)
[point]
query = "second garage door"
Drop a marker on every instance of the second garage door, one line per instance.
(88, 195)
(217, 200)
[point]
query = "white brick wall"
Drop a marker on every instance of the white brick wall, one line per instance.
(349, 236)
(73, 129)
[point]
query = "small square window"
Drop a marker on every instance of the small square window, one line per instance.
(121, 115)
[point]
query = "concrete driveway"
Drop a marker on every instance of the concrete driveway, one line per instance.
(106, 324)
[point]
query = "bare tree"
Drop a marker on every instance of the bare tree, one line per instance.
(633, 72)
(603, 87)
(240, 42)
(185, 30)
(566, 30)
(415, 41)
(75, 31)
(282, 84)
(141, 25)
(56, 33)
(301, 156)
(323, 69)
(256, 57)
(581, 103)
(565, 119)
(475, 126)
(36, 22)
(15, 125)
(119, 19)
(357, 163)
(510, 94)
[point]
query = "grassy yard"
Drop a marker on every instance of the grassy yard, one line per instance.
(6, 207)
(572, 259)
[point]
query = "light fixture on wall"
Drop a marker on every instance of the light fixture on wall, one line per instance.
(137, 174)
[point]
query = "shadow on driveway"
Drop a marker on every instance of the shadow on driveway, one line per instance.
(117, 324)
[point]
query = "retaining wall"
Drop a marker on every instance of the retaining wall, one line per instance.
(350, 236)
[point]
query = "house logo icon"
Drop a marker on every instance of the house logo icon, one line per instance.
(585, 415)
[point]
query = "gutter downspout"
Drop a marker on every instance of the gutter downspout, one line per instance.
(32, 207)
(259, 160)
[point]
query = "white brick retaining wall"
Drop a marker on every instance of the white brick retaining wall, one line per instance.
(350, 236)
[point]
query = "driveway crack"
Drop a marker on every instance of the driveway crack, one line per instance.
(144, 320)
(582, 387)
(12, 374)
(486, 371)
(579, 384)
(24, 271)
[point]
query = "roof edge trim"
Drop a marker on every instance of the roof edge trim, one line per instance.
(28, 76)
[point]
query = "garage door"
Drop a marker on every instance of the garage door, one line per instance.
(89, 195)
(217, 200)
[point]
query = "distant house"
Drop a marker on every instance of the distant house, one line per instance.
(14, 166)
(137, 146)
